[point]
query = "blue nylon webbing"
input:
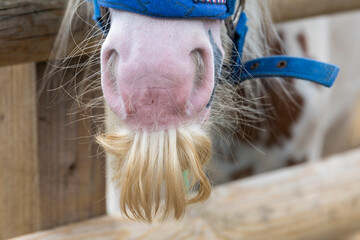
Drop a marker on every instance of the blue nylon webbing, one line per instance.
(290, 67)
(239, 41)
(173, 8)
(102, 24)
(97, 12)
(277, 66)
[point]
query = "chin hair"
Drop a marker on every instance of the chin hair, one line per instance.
(148, 170)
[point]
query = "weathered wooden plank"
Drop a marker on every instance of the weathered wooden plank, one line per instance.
(50, 173)
(72, 175)
(19, 176)
(355, 236)
(284, 10)
(28, 27)
(355, 136)
(313, 201)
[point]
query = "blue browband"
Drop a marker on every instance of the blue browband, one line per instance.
(273, 66)
(213, 9)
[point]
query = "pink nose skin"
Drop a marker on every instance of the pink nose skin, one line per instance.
(150, 76)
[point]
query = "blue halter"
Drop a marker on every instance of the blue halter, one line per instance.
(273, 66)
(213, 9)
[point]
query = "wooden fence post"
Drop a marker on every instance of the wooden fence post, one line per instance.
(50, 171)
(72, 174)
(285, 10)
(19, 172)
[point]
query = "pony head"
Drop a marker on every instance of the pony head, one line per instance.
(159, 79)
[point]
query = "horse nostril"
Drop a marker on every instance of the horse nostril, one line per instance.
(198, 60)
(111, 66)
(112, 55)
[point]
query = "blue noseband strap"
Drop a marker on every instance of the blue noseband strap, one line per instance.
(278, 66)
(274, 66)
(290, 67)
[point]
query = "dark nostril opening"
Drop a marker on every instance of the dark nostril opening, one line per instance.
(281, 64)
(198, 59)
(110, 60)
(110, 68)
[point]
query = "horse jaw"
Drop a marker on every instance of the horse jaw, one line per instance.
(158, 74)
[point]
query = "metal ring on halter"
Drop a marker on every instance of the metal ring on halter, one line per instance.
(232, 21)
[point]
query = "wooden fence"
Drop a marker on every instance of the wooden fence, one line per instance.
(313, 201)
(51, 175)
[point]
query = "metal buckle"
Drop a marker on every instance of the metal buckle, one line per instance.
(232, 21)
